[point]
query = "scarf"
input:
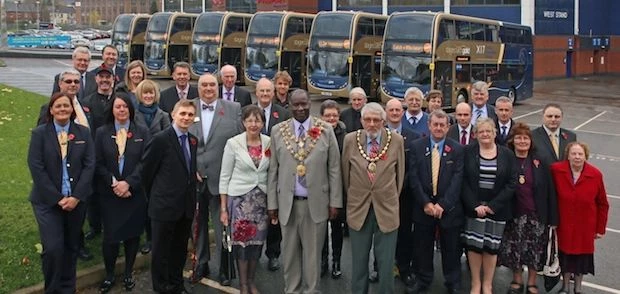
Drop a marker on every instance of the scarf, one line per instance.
(148, 112)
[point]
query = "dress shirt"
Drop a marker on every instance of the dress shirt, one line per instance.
(179, 133)
(476, 110)
(267, 112)
(418, 116)
(467, 136)
(440, 147)
(206, 117)
(231, 91)
(555, 134)
(65, 187)
(398, 129)
(117, 127)
(183, 92)
(369, 143)
(299, 189)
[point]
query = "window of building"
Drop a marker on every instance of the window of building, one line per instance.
(417, 2)
(485, 2)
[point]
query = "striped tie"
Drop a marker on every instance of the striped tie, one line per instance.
(435, 167)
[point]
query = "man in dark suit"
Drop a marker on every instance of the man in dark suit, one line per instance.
(404, 250)
(169, 177)
(217, 120)
(81, 60)
(436, 171)
(109, 54)
(181, 89)
(480, 98)
(274, 114)
(550, 139)
(352, 117)
(504, 123)
(229, 91)
(462, 131)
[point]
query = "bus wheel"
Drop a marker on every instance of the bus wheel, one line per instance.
(461, 97)
(512, 95)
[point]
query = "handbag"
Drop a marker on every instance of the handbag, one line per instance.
(227, 262)
(551, 269)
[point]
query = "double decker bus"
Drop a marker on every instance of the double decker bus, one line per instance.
(218, 40)
(449, 52)
(128, 37)
(168, 40)
(345, 52)
(277, 41)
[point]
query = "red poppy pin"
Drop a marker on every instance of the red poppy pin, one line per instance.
(129, 135)
(565, 136)
(268, 152)
(192, 141)
(71, 137)
(447, 149)
(536, 163)
(276, 115)
(86, 109)
(221, 113)
(314, 132)
(384, 156)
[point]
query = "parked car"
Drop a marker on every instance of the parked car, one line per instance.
(99, 44)
(81, 43)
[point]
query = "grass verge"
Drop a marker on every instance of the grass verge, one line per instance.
(20, 264)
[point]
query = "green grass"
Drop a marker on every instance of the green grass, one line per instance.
(20, 264)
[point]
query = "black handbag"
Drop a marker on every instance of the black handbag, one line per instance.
(227, 263)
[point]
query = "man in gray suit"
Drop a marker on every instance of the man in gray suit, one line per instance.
(305, 188)
(216, 121)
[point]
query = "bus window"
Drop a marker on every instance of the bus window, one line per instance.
(462, 73)
(295, 26)
(477, 31)
(181, 24)
(380, 27)
(309, 24)
(477, 72)
(234, 24)
(462, 28)
(447, 31)
(491, 33)
(365, 28)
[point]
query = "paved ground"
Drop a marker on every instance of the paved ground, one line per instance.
(592, 110)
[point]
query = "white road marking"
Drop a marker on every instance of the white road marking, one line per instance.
(612, 230)
(527, 114)
(63, 63)
(599, 133)
(613, 196)
(599, 287)
(591, 119)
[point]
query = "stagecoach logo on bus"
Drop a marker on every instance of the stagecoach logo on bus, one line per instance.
(490, 51)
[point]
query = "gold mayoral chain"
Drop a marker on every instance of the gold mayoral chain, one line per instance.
(372, 161)
(303, 146)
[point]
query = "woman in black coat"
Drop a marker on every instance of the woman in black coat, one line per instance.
(120, 144)
(61, 159)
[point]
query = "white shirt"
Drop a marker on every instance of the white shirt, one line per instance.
(418, 116)
(206, 117)
(501, 130)
(474, 113)
(267, 111)
(467, 133)
(232, 93)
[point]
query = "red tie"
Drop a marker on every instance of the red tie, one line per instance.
(464, 137)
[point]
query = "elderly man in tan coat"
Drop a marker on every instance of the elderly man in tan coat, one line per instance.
(373, 168)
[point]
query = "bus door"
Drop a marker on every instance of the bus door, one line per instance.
(292, 62)
(138, 39)
(443, 80)
(361, 76)
(233, 56)
(180, 40)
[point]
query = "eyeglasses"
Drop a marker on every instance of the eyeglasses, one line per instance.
(372, 120)
(72, 81)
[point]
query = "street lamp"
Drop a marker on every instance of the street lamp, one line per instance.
(38, 14)
(16, 15)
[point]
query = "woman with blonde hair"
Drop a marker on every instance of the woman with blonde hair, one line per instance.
(134, 74)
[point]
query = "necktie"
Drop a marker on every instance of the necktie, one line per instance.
(80, 117)
(209, 107)
(266, 124)
(478, 113)
(182, 95)
(374, 150)
(185, 151)
(463, 137)
(504, 132)
(63, 141)
(121, 141)
(413, 120)
(435, 167)
(302, 136)
(228, 96)
(554, 143)
(301, 133)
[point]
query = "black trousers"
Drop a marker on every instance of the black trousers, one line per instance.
(424, 238)
(337, 226)
(274, 237)
(169, 252)
(110, 254)
(94, 211)
(60, 236)
(404, 241)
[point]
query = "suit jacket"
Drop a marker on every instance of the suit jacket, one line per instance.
(161, 121)
(242, 96)
(498, 138)
(543, 143)
(545, 199)
(323, 176)
(490, 111)
(168, 183)
(351, 119)
(225, 125)
(278, 114)
(454, 134)
(382, 193)
(421, 126)
(45, 109)
(91, 86)
(503, 189)
(448, 184)
(170, 97)
(239, 174)
(45, 163)
(95, 106)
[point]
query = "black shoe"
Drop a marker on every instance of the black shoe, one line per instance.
(324, 267)
(91, 235)
(128, 284)
(336, 272)
(373, 277)
(84, 254)
(415, 289)
(224, 280)
(106, 285)
(198, 273)
(273, 264)
(146, 248)
(407, 279)
(454, 291)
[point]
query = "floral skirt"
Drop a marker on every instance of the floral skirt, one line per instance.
(248, 219)
(524, 243)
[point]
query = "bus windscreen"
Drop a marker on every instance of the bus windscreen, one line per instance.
(208, 24)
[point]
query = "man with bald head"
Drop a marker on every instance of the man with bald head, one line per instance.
(462, 131)
(229, 91)
(404, 250)
(216, 121)
(274, 113)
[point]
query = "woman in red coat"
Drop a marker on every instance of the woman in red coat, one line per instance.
(583, 208)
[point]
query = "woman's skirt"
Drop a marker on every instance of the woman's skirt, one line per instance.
(523, 243)
(576, 263)
(248, 220)
(483, 235)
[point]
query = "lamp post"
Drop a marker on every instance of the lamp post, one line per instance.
(38, 14)
(16, 15)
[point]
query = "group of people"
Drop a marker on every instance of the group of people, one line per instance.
(271, 175)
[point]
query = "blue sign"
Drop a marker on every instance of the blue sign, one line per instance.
(39, 41)
(554, 17)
